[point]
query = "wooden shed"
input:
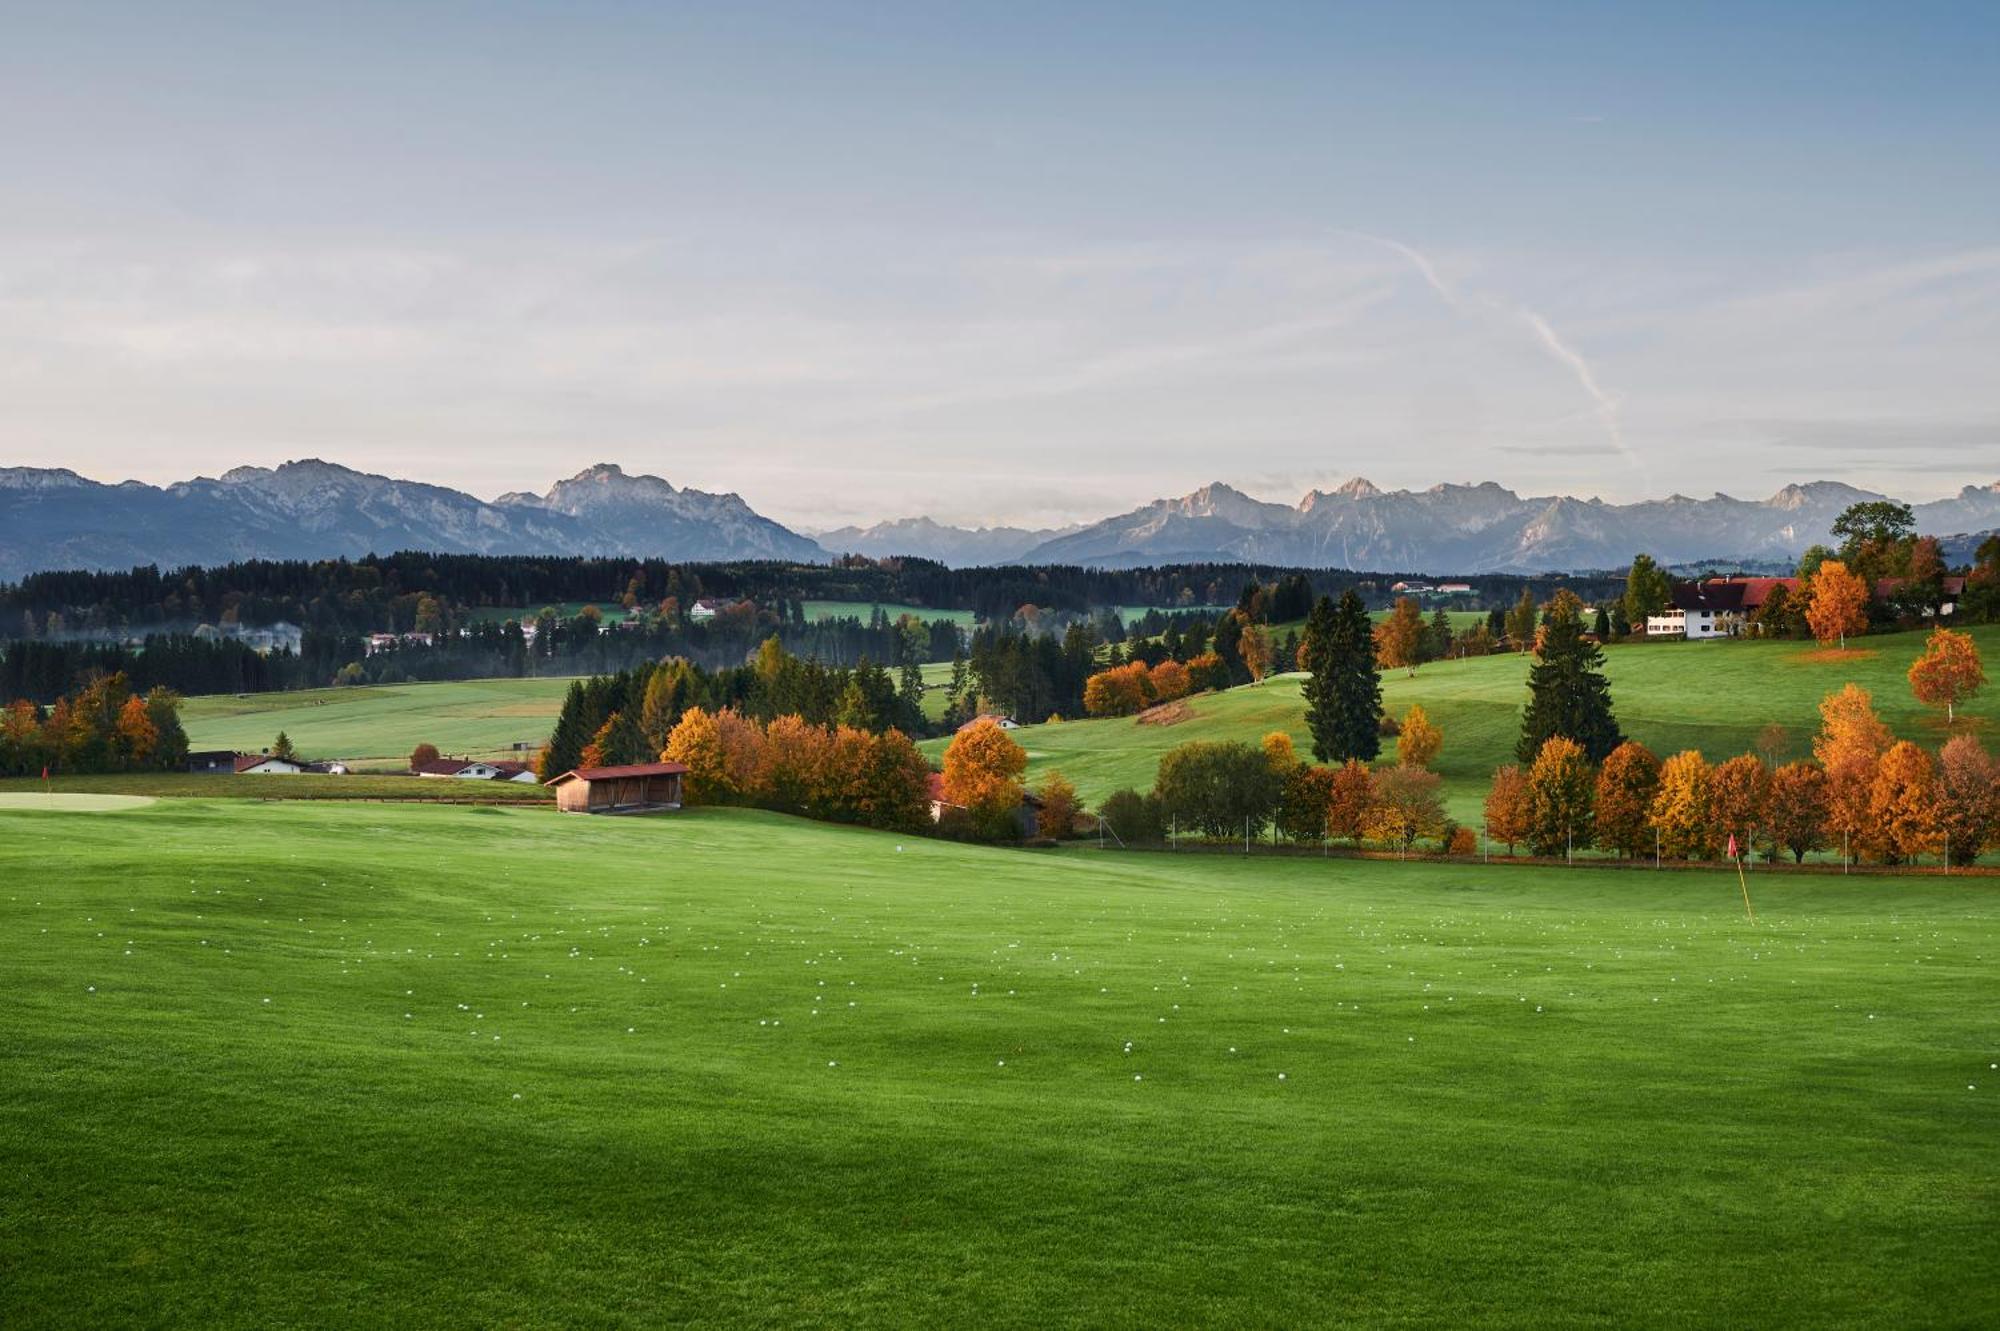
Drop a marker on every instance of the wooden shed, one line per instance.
(633, 788)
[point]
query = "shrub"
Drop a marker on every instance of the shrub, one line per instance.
(1134, 818)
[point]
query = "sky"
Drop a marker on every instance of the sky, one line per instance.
(1006, 263)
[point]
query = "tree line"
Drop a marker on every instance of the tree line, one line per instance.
(105, 726)
(387, 593)
(628, 716)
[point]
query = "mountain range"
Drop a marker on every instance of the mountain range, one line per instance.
(53, 518)
(1483, 528)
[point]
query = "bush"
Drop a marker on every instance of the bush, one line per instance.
(1220, 789)
(1136, 819)
(1463, 841)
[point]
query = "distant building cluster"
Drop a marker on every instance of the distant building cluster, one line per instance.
(1721, 607)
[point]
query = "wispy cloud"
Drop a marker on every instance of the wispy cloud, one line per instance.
(1605, 405)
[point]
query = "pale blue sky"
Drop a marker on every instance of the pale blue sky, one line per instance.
(1007, 262)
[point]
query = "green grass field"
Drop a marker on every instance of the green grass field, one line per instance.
(865, 611)
(292, 1064)
(380, 724)
(1712, 696)
(30, 793)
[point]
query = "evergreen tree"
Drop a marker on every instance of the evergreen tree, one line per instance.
(1567, 692)
(1438, 636)
(1343, 689)
(565, 746)
(1647, 589)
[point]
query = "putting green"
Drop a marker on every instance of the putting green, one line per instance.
(68, 803)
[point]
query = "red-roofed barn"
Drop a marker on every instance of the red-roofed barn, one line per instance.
(633, 788)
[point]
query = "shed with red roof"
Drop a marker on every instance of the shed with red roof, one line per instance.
(632, 788)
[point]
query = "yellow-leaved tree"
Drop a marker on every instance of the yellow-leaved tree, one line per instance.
(1683, 807)
(1419, 739)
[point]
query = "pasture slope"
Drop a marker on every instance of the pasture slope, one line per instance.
(379, 724)
(1712, 696)
(288, 1064)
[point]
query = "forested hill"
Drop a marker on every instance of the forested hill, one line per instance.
(387, 593)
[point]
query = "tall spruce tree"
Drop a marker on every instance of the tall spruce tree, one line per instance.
(1343, 689)
(1567, 692)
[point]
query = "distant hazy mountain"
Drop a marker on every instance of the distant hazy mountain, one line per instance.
(1481, 528)
(643, 515)
(53, 518)
(961, 547)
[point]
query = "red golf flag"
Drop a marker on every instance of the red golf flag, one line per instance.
(1732, 845)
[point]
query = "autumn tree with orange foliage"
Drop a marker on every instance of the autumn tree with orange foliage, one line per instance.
(1742, 800)
(983, 767)
(1350, 800)
(1948, 672)
(1060, 806)
(1409, 803)
(1419, 740)
(1169, 680)
(1904, 803)
(1626, 785)
(1684, 807)
(1798, 809)
(1280, 753)
(1837, 608)
(1969, 808)
(1256, 650)
(1120, 691)
(1399, 639)
(1304, 801)
(793, 766)
(138, 737)
(874, 780)
(1508, 808)
(1851, 740)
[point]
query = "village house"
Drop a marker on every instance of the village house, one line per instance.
(1720, 607)
(631, 788)
(1699, 610)
(382, 642)
(264, 764)
(474, 769)
(1004, 722)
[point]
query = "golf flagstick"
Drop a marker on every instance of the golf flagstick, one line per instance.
(1741, 879)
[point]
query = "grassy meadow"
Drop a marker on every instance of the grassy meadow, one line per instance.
(283, 1064)
(865, 610)
(379, 724)
(1713, 696)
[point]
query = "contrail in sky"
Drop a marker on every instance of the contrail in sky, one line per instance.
(1606, 404)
